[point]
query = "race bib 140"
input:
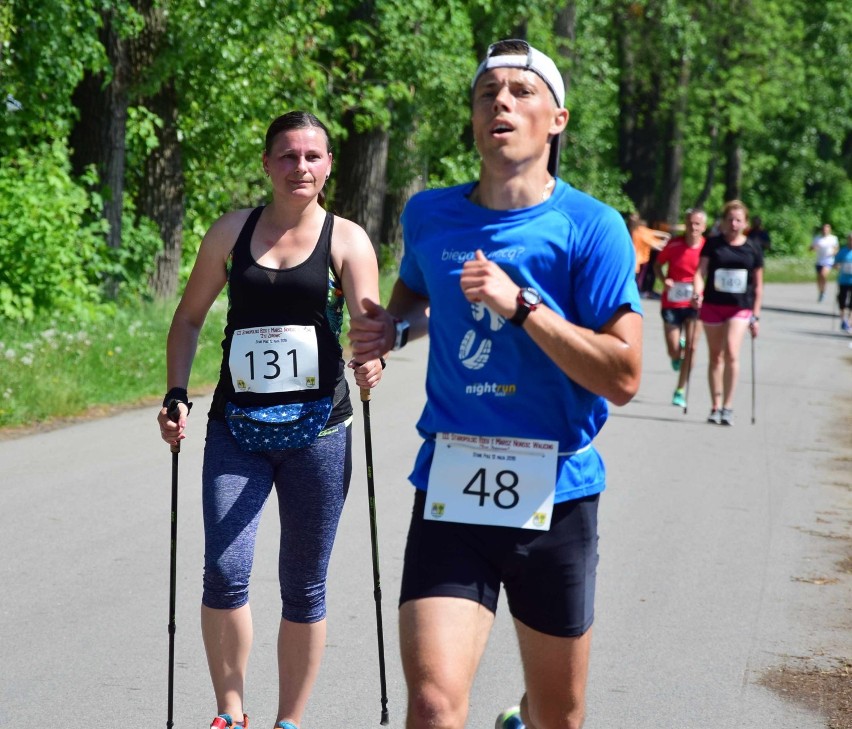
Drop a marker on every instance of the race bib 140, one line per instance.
(731, 280)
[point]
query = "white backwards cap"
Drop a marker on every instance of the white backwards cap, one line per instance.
(534, 61)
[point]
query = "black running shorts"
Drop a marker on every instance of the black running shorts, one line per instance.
(844, 296)
(676, 317)
(549, 577)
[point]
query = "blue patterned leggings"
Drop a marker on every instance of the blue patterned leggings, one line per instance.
(311, 484)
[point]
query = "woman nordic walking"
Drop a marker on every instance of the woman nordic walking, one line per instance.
(729, 291)
(281, 411)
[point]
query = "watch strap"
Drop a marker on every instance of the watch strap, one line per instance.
(401, 328)
(520, 315)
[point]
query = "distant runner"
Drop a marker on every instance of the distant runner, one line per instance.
(680, 318)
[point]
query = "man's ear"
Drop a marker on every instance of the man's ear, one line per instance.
(560, 121)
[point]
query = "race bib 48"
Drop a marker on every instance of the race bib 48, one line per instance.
(489, 480)
(680, 291)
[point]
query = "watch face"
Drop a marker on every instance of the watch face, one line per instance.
(531, 297)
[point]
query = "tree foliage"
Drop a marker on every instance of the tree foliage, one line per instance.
(673, 103)
(53, 243)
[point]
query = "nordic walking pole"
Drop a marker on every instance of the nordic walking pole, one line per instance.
(835, 313)
(374, 541)
(174, 416)
(690, 342)
(753, 387)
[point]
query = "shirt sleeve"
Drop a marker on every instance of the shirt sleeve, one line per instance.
(410, 272)
(606, 281)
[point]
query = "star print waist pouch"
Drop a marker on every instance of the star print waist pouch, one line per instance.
(277, 427)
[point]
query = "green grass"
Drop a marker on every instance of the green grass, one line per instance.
(63, 368)
(789, 269)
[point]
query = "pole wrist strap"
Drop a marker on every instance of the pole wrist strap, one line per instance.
(176, 395)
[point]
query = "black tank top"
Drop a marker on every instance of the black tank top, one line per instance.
(721, 255)
(308, 294)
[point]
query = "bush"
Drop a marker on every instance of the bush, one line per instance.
(52, 237)
(792, 231)
(132, 265)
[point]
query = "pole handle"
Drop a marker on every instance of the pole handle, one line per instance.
(365, 394)
(753, 384)
(173, 414)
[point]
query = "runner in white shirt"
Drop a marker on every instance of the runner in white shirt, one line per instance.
(825, 245)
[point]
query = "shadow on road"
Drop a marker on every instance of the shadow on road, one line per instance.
(830, 335)
(799, 312)
(636, 416)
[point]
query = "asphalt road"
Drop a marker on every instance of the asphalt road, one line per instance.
(725, 553)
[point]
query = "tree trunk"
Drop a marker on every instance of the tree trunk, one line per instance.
(712, 163)
(117, 132)
(733, 166)
(392, 225)
(565, 30)
(639, 134)
(394, 203)
(98, 136)
(162, 185)
(361, 178)
(626, 92)
(359, 190)
(161, 194)
(672, 184)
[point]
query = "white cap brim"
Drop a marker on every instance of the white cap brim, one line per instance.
(534, 61)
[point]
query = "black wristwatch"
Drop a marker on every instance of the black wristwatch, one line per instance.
(528, 300)
(401, 336)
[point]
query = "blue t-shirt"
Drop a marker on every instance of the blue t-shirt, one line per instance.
(485, 376)
(843, 261)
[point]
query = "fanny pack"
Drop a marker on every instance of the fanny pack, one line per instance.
(277, 427)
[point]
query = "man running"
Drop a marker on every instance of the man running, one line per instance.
(825, 245)
(680, 319)
(526, 288)
(843, 264)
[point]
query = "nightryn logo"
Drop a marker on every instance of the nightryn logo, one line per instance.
(491, 388)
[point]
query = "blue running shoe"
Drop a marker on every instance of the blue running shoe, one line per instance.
(510, 719)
